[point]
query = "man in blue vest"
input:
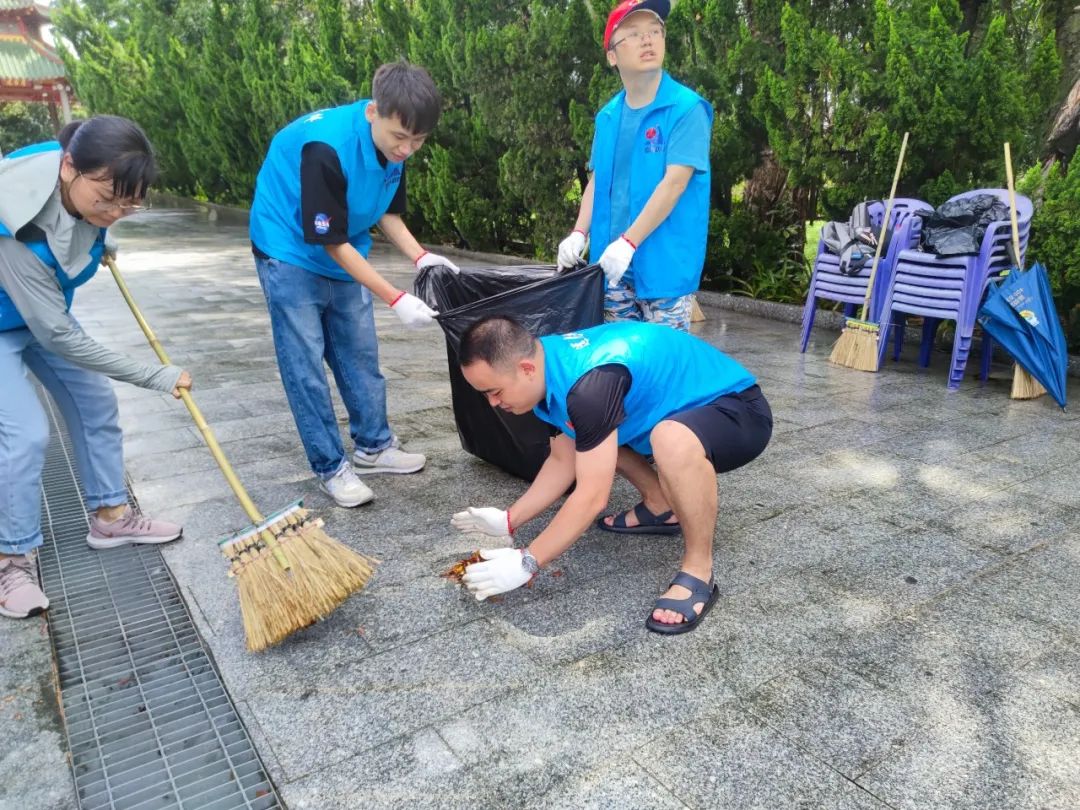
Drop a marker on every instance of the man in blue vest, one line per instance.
(328, 178)
(646, 205)
(616, 394)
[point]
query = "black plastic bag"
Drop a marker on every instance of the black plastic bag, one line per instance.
(543, 301)
(957, 227)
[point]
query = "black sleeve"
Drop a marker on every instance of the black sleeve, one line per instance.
(595, 404)
(323, 202)
(397, 205)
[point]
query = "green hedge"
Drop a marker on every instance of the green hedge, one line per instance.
(811, 100)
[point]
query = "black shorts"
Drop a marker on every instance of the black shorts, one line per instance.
(733, 429)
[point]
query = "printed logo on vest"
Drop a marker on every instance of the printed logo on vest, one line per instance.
(576, 340)
(569, 424)
(654, 140)
(322, 224)
(313, 118)
(393, 177)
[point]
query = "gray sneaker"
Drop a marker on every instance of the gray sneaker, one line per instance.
(346, 489)
(391, 460)
(20, 595)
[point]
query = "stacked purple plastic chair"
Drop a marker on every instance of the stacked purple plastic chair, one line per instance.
(829, 283)
(949, 287)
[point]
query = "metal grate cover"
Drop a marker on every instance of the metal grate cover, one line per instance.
(149, 723)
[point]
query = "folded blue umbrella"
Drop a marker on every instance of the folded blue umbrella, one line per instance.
(1019, 314)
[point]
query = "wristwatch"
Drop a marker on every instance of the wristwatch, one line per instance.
(529, 563)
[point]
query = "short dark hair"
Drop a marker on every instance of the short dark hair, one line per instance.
(115, 146)
(498, 340)
(408, 92)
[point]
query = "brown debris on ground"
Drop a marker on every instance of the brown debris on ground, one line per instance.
(456, 571)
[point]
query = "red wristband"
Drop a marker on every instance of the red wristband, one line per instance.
(631, 244)
(578, 230)
(418, 258)
(400, 295)
(509, 528)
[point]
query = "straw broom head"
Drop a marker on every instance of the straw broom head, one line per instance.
(857, 346)
(277, 600)
(1024, 386)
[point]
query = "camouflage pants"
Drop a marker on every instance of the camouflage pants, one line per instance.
(622, 304)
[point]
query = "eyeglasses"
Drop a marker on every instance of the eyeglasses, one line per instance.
(112, 205)
(636, 37)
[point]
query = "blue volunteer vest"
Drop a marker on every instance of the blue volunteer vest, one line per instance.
(276, 216)
(669, 261)
(10, 318)
(671, 372)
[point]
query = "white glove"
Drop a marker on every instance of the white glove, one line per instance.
(426, 259)
(486, 520)
(570, 250)
(413, 312)
(501, 572)
(616, 258)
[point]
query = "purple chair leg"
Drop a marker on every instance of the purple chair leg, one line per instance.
(961, 350)
(929, 329)
(987, 352)
(807, 320)
(899, 324)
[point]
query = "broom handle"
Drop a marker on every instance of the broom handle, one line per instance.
(208, 436)
(1012, 207)
(884, 226)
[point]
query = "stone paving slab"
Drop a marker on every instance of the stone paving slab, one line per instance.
(898, 622)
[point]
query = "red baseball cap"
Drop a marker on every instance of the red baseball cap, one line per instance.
(661, 8)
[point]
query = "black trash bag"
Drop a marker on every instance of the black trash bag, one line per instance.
(543, 301)
(957, 227)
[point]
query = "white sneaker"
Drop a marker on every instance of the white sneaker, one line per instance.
(391, 460)
(346, 489)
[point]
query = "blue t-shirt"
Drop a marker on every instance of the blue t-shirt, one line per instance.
(688, 145)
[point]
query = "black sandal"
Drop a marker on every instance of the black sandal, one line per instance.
(700, 591)
(648, 523)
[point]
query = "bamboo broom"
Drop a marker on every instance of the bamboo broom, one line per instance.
(857, 346)
(1024, 386)
(289, 572)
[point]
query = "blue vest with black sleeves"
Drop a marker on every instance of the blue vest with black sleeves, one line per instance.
(9, 314)
(669, 261)
(670, 371)
(276, 217)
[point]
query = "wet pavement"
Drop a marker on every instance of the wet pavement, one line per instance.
(899, 622)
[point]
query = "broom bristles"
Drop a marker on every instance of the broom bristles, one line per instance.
(857, 346)
(322, 574)
(1024, 386)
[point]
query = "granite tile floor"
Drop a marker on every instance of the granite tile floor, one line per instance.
(900, 573)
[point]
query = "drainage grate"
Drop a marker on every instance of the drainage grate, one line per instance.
(149, 723)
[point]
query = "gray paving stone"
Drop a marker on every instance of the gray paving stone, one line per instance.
(417, 771)
(1015, 749)
(843, 720)
(734, 759)
(34, 773)
(354, 704)
(905, 569)
(1057, 672)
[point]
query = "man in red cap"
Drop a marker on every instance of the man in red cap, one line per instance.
(646, 206)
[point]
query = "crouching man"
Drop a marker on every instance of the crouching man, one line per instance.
(616, 394)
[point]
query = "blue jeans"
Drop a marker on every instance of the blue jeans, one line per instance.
(314, 318)
(88, 406)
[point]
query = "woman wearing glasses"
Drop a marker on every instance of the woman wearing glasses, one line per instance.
(56, 201)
